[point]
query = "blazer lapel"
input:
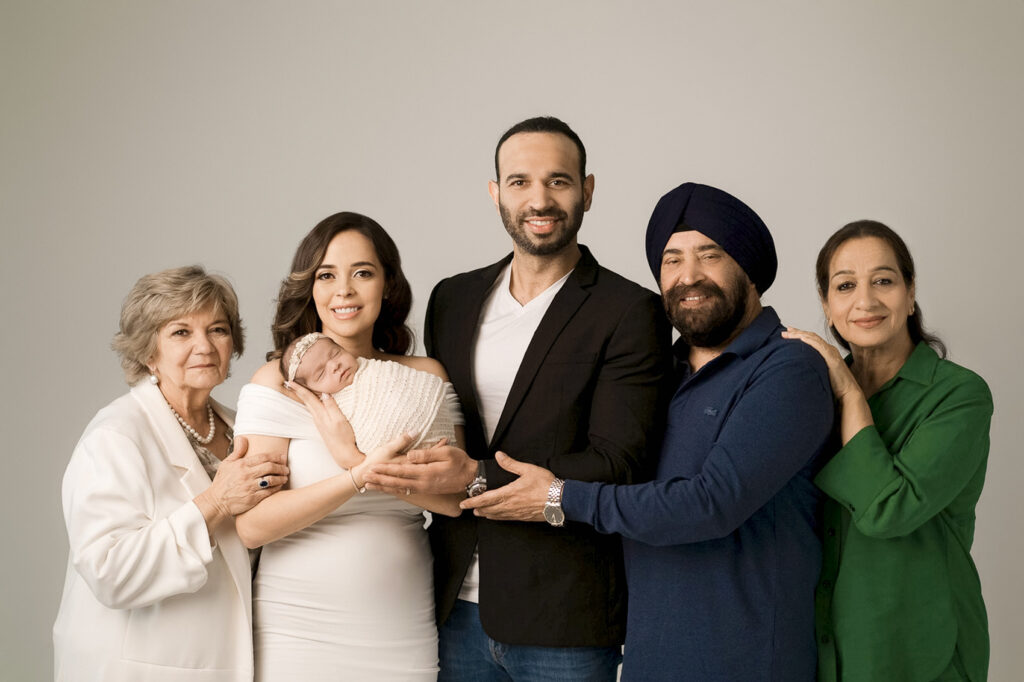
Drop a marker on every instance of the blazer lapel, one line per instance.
(234, 552)
(172, 439)
(563, 307)
(195, 480)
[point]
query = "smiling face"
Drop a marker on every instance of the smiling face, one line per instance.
(347, 289)
(193, 353)
(326, 367)
(706, 293)
(868, 300)
(539, 193)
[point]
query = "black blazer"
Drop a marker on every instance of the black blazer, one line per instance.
(587, 395)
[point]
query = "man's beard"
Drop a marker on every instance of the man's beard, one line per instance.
(554, 242)
(709, 326)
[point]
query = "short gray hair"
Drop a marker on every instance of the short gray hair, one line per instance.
(161, 297)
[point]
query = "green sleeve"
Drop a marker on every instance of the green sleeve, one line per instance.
(891, 494)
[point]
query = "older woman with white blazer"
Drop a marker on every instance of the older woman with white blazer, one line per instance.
(158, 583)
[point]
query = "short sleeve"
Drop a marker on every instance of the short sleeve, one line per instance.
(262, 411)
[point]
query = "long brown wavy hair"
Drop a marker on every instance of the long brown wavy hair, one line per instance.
(296, 311)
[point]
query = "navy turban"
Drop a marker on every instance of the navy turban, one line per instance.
(718, 216)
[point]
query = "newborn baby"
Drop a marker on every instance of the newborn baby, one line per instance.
(318, 363)
(381, 399)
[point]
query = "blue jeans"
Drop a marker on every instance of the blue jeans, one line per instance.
(468, 655)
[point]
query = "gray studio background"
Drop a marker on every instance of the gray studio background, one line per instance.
(136, 136)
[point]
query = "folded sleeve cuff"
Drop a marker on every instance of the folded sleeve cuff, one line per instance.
(859, 472)
(190, 529)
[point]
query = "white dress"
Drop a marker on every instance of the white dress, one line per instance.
(350, 597)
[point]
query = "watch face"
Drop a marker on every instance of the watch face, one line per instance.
(476, 488)
(554, 515)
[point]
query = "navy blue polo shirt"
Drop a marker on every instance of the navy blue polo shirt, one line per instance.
(722, 549)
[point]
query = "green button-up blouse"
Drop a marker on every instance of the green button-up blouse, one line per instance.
(899, 594)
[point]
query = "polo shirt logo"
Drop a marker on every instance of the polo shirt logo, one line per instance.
(710, 412)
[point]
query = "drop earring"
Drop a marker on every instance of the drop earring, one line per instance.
(153, 378)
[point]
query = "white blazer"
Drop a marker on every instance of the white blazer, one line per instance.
(146, 597)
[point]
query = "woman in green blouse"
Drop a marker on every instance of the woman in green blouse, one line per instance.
(899, 597)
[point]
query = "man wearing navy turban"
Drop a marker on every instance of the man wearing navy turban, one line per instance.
(722, 548)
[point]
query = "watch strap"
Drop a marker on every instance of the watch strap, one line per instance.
(555, 492)
(479, 484)
(553, 513)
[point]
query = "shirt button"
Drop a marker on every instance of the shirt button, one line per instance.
(831, 532)
(826, 584)
(825, 639)
(852, 509)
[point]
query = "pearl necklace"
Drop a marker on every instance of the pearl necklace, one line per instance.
(192, 432)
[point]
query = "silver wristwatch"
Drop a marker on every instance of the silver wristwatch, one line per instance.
(479, 484)
(553, 513)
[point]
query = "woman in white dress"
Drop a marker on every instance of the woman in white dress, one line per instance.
(344, 587)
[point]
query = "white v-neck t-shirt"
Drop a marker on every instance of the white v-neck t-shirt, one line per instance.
(504, 332)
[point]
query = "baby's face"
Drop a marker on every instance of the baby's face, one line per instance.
(326, 367)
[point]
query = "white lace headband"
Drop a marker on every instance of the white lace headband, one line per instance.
(301, 346)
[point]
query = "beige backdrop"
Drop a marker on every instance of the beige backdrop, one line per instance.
(140, 135)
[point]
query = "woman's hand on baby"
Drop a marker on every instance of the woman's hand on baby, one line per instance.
(332, 424)
(390, 451)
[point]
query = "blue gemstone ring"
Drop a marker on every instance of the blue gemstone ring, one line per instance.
(263, 483)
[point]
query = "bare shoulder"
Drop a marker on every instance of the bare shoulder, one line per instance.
(421, 363)
(269, 375)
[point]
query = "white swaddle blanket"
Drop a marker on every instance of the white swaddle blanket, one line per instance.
(387, 399)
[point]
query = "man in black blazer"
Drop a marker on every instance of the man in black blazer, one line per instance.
(558, 362)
